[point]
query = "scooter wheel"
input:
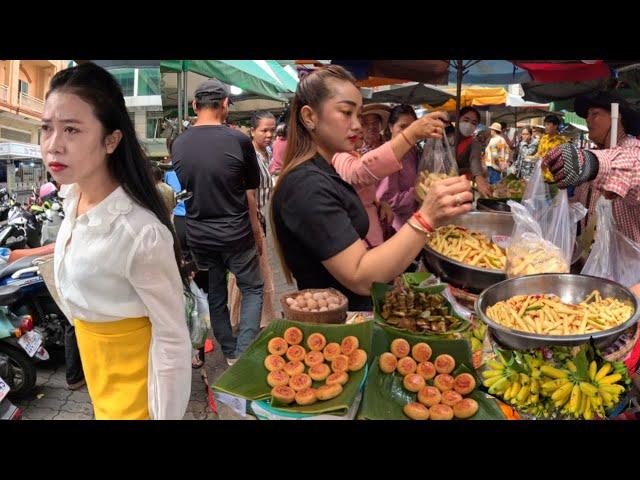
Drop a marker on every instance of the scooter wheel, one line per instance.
(23, 369)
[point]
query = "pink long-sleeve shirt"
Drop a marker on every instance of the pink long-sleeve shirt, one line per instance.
(364, 173)
(279, 146)
(398, 189)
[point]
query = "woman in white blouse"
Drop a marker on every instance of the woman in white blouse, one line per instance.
(116, 256)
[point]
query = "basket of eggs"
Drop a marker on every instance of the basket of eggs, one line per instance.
(315, 305)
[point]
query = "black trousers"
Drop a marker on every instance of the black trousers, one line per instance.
(73, 363)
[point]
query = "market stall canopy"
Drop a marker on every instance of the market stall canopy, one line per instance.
(488, 72)
(263, 77)
(396, 71)
(473, 97)
(410, 93)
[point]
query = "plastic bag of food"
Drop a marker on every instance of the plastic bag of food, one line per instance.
(437, 163)
(544, 231)
(197, 315)
(613, 255)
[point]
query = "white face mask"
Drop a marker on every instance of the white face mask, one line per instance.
(467, 128)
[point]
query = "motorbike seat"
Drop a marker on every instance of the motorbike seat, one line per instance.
(9, 294)
(13, 267)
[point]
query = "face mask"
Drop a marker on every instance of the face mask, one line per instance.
(467, 128)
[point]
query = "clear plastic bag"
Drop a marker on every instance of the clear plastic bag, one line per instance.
(437, 163)
(613, 255)
(197, 315)
(544, 233)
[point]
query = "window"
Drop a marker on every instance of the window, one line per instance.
(153, 124)
(149, 81)
(23, 87)
(125, 77)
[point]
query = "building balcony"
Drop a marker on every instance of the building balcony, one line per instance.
(32, 103)
(4, 93)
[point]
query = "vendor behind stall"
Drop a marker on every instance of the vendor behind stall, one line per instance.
(319, 221)
(612, 172)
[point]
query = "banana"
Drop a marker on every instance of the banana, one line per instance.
(571, 366)
(604, 370)
(495, 365)
(523, 394)
(554, 384)
(593, 367)
(513, 391)
(574, 402)
(535, 386)
(607, 398)
(614, 390)
(588, 389)
(491, 373)
(588, 412)
(533, 399)
(500, 385)
(583, 404)
(553, 372)
(492, 380)
(596, 401)
(608, 380)
(562, 393)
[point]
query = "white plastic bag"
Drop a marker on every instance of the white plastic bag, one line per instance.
(613, 255)
(197, 316)
(544, 234)
(438, 158)
(437, 163)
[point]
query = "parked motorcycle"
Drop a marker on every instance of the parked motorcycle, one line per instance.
(20, 345)
(35, 300)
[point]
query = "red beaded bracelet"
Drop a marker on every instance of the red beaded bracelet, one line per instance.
(418, 216)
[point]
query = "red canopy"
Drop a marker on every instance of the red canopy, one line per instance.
(566, 72)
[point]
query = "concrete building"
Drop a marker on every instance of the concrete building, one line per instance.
(142, 94)
(23, 84)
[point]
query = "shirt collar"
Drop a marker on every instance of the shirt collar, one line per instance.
(100, 217)
(323, 165)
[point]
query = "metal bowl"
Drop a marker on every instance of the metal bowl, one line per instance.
(492, 205)
(570, 288)
(467, 277)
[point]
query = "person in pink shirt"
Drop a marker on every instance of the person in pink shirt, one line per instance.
(278, 148)
(366, 171)
(398, 188)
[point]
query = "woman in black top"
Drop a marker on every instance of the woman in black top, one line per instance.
(319, 220)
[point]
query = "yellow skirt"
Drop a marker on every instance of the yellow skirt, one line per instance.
(115, 359)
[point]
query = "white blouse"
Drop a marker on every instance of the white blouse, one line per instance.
(116, 261)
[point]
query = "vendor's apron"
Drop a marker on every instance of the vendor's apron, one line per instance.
(115, 359)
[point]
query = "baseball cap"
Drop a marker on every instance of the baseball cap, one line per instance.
(213, 89)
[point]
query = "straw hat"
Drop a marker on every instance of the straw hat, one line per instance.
(496, 126)
(383, 111)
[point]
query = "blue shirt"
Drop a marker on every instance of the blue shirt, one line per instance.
(171, 179)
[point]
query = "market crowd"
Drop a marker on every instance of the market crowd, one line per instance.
(334, 183)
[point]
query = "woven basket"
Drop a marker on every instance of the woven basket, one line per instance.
(337, 315)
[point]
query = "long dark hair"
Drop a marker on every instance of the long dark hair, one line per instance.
(313, 90)
(128, 164)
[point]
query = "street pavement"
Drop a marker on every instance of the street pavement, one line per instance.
(51, 400)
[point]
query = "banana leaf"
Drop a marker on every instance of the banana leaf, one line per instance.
(385, 396)
(247, 378)
(413, 280)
